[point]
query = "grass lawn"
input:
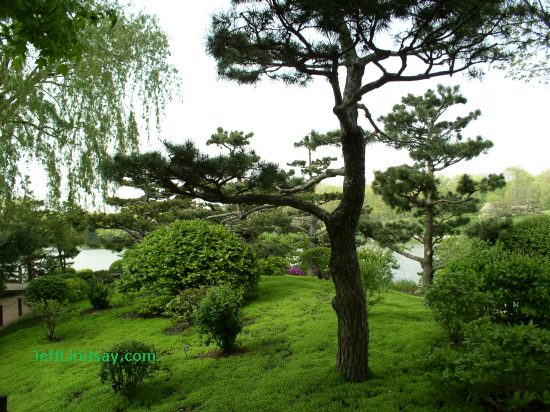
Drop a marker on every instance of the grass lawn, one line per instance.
(290, 342)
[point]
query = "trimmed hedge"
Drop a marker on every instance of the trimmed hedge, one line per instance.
(529, 236)
(189, 254)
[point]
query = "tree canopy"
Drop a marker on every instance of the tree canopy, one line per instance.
(358, 46)
(80, 92)
(420, 125)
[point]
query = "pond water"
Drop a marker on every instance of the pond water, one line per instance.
(408, 268)
(101, 259)
(95, 259)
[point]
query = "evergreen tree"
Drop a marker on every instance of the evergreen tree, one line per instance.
(347, 44)
(434, 144)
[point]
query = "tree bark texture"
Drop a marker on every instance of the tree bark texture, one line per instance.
(349, 302)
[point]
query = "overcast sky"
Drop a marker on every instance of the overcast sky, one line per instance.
(515, 114)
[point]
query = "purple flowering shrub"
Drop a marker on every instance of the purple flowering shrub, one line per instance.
(294, 270)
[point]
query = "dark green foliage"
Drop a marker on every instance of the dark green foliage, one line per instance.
(99, 292)
(47, 288)
(218, 317)
(153, 304)
(125, 377)
(456, 297)
(376, 271)
(316, 258)
(520, 288)
(491, 281)
(404, 285)
(116, 266)
(282, 245)
(489, 230)
(529, 236)
(272, 266)
(49, 312)
(77, 289)
(506, 367)
(434, 144)
(188, 254)
(182, 307)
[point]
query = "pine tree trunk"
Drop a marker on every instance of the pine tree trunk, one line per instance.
(349, 304)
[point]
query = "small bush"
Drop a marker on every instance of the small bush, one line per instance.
(489, 230)
(126, 376)
(218, 317)
(404, 285)
(49, 312)
(117, 266)
(47, 287)
(503, 366)
(188, 254)
(99, 293)
(376, 271)
(529, 236)
(153, 304)
(77, 289)
(272, 266)
(456, 297)
(183, 306)
(491, 281)
(317, 258)
(282, 245)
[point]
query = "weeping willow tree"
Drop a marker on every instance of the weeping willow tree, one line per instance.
(64, 113)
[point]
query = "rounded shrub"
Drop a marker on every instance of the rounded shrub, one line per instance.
(183, 306)
(529, 236)
(376, 271)
(77, 288)
(492, 281)
(272, 266)
(504, 366)
(218, 317)
(127, 374)
(188, 254)
(455, 298)
(317, 258)
(99, 293)
(46, 287)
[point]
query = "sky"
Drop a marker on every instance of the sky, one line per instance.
(513, 116)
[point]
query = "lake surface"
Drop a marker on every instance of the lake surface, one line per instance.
(95, 259)
(408, 268)
(101, 259)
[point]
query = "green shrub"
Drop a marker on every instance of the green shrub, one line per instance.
(456, 297)
(182, 307)
(218, 317)
(99, 293)
(126, 376)
(317, 258)
(491, 281)
(117, 266)
(283, 245)
(376, 271)
(520, 288)
(489, 230)
(47, 287)
(529, 236)
(272, 266)
(504, 366)
(77, 289)
(404, 285)
(49, 313)
(188, 254)
(153, 304)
